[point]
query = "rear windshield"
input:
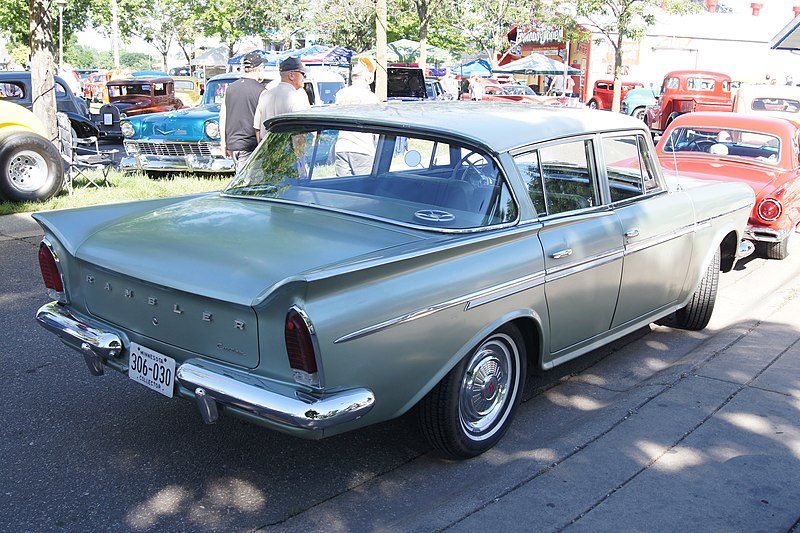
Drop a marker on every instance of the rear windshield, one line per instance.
(409, 180)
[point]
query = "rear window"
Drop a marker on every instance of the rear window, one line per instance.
(785, 105)
(401, 178)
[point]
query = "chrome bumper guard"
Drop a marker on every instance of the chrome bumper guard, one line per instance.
(746, 249)
(212, 383)
(185, 163)
(302, 411)
(764, 234)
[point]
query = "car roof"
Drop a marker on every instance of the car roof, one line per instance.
(141, 80)
(498, 125)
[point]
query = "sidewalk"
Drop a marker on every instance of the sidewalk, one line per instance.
(18, 226)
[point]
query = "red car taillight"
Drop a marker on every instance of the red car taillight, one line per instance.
(770, 210)
(300, 348)
(51, 274)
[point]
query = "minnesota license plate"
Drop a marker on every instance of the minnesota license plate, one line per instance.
(152, 369)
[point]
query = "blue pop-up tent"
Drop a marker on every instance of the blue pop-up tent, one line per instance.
(481, 67)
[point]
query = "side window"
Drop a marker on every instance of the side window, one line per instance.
(625, 167)
(431, 155)
(568, 179)
(10, 90)
(528, 166)
(159, 89)
(61, 91)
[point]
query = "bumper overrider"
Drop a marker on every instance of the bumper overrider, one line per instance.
(211, 383)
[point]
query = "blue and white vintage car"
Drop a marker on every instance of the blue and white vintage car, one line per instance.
(188, 140)
(477, 242)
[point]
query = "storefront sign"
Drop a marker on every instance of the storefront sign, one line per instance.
(538, 34)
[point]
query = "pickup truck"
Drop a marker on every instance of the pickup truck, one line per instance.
(684, 91)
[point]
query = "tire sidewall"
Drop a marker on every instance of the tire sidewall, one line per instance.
(10, 147)
(469, 445)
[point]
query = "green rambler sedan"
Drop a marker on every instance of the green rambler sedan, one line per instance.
(371, 259)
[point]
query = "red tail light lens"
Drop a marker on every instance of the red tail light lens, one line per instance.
(50, 272)
(300, 348)
(770, 210)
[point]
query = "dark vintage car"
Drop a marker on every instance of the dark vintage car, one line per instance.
(138, 96)
(15, 87)
(481, 241)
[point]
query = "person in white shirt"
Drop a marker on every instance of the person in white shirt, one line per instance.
(355, 151)
(285, 97)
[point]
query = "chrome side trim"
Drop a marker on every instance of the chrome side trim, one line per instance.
(470, 301)
(304, 411)
(586, 264)
(655, 240)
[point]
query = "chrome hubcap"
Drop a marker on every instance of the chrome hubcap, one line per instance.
(485, 388)
(27, 171)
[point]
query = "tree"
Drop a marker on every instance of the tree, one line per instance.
(349, 23)
(157, 28)
(618, 21)
(486, 23)
(42, 65)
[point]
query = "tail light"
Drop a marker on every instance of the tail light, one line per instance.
(301, 348)
(770, 210)
(51, 273)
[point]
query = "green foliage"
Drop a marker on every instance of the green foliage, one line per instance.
(349, 23)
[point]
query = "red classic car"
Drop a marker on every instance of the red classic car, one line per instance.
(137, 96)
(685, 91)
(603, 93)
(512, 92)
(758, 150)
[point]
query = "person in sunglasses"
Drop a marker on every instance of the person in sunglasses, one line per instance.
(285, 97)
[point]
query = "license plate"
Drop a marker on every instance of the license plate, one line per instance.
(152, 369)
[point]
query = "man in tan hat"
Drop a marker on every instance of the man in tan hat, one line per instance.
(285, 97)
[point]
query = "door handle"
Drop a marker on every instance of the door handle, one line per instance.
(631, 233)
(561, 254)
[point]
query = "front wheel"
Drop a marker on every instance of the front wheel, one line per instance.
(31, 168)
(697, 313)
(592, 104)
(470, 410)
(640, 113)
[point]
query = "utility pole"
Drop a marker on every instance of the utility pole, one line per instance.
(380, 50)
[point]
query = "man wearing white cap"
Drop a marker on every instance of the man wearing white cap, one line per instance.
(285, 97)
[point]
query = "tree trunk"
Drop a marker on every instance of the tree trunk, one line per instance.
(616, 101)
(42, 65)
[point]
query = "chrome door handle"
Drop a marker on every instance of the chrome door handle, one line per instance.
(631, 233)
(562, 254)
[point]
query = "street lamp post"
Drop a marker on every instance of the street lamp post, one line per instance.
(61, 4)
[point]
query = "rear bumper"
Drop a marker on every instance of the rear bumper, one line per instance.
(181, 163)
(212, 383)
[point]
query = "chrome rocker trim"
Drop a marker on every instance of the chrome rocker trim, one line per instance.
(248, 393)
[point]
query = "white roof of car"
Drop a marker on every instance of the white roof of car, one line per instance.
(501, 126)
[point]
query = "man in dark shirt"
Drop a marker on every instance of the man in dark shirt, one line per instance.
(237, 110)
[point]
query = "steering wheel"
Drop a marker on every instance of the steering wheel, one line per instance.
(700, 145)
(469, 165)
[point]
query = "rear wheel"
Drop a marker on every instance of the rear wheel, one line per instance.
(470, 410)
(31, 168)
(697, 313)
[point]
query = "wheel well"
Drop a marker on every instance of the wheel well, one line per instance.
(728, 249)
(532, 335)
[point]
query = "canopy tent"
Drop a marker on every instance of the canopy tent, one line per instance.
(788, 38)
(215, 57)
(481, 67)
(270, 58)
(536, 64)
(338, 55)
(406, 51)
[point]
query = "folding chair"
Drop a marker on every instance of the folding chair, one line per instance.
(81, 156)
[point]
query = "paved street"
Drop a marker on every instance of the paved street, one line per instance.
(666, 430)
